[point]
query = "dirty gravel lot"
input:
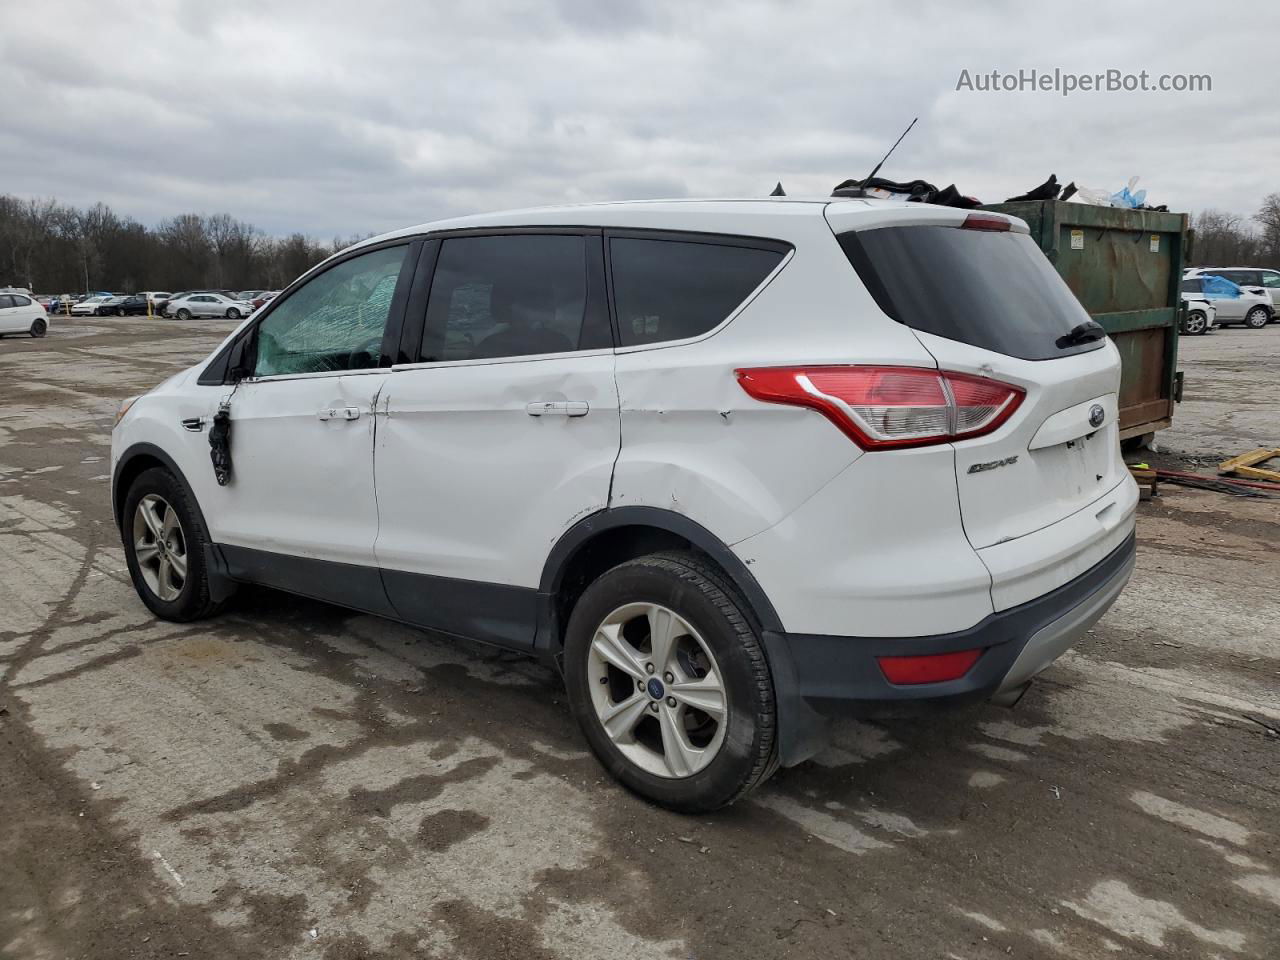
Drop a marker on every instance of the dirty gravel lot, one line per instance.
(292, 780)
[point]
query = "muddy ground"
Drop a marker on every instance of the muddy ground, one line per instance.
(292, 780)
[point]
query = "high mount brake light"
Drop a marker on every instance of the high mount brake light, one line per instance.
(882, 408)
(978, 221)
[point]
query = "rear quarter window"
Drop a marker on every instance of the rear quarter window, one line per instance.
(675, 289)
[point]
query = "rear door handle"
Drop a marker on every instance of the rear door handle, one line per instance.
(339, 413)
(558, 408)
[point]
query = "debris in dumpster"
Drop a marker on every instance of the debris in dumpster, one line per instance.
(1046, 191)
(1126, 196)
(1247, 465)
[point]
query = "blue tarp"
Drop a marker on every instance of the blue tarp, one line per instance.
(1219, 287)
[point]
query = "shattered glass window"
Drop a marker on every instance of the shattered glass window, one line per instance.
(335, 321)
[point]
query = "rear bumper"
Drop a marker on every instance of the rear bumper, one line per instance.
(816, 676)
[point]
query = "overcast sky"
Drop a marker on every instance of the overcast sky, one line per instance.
(364, 115)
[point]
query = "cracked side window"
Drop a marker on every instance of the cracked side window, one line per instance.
(335, 321)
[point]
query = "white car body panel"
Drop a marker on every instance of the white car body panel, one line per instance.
(480, 489)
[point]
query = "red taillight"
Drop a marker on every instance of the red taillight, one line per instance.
(980, 221)
(928, 668)
(882, 408)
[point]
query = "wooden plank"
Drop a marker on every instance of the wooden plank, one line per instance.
(1246, 465)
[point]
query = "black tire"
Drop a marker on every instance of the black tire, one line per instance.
(39, 327)
(119, 311)
(184, 314)
(698, 592)
(193, 601)
(1196, 323)
(1257, 318)
(233, 314)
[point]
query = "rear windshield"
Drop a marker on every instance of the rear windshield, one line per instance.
(989, 289)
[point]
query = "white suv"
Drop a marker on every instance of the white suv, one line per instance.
(732, 466)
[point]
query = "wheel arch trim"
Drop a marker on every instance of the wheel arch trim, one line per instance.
(587, 529)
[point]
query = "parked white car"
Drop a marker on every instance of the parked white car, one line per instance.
(1201, 315)
(89, 306)
(1255, 279)
(1234, 303)
(20, 313)
(792, 459)
(208, 305)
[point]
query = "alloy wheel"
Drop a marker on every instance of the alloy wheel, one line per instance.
(1196, 323)
(657, 690)
(160, 547)
(1257, 318)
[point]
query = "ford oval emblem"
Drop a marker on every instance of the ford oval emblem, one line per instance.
(1096, 415)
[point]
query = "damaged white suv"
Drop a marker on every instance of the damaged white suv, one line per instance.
(731, 466)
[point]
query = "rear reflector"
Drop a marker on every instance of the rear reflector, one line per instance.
(930, 668)
(890, 407)
(978, 221)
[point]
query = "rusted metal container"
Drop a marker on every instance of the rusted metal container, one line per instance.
(1124, 266)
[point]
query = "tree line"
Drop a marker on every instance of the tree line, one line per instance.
(54, 248)
(1226, 239)
(50, 247)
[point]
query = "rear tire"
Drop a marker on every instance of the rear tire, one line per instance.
(233, 314)
(164, 539)
(119, 311)
(662, 746)
(39, 327)
(184, 314)
(1257, 318)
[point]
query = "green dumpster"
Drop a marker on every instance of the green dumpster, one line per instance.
(1124, 266)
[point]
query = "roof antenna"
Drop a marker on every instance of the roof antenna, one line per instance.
(778, 191)
(852, 188)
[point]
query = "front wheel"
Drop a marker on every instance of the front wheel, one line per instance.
(184, 314)
(1257, 318)
(1196, 323)
(39, 327)
(119, 311)
(668, 680)
(233, 314)
(164, 540)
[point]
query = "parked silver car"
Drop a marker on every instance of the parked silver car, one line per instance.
(1234, 304)
(1267, 279)
(208, 305)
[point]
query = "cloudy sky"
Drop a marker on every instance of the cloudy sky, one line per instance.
(353, 117)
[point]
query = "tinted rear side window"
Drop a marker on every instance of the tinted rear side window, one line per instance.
(989, 289)
(674, 289)
(511, 296)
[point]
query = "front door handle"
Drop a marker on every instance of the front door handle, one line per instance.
(558, 408)
(339, 413)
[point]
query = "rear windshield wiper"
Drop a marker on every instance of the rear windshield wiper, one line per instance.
(1085, 332)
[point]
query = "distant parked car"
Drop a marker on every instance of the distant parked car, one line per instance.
(1265, 279)
(249, 295)
(1234, 304)
(88, 307)
(266, 296)
(20, 313)
(156, 297)
(209, 305)
(132, 306)
(108, 307)
(1201, 315)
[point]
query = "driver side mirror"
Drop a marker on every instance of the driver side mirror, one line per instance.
(240, 362)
